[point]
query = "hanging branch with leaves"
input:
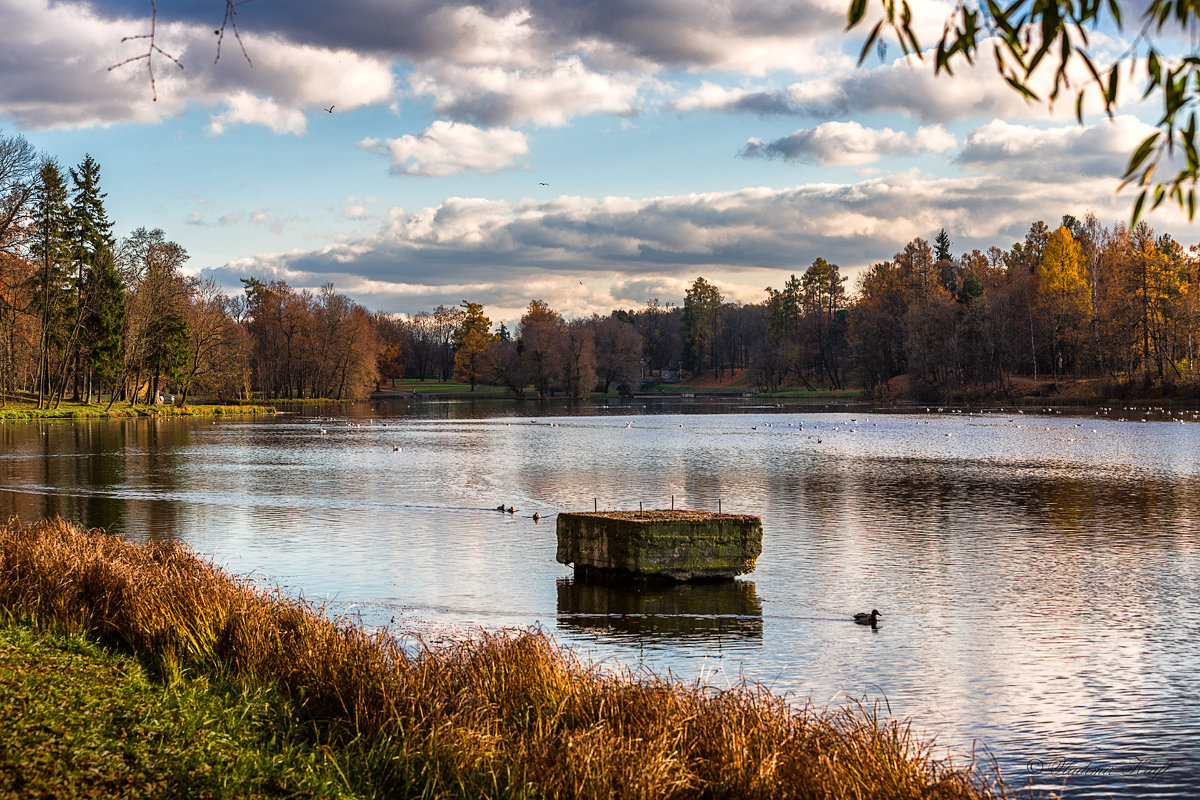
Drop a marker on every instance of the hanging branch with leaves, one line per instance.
(1024, 32)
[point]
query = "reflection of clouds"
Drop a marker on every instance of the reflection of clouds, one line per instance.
(1037, 592)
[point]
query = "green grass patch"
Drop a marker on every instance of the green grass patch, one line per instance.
(82, 721)
(118, 410)
(498, 715)
(435, 388)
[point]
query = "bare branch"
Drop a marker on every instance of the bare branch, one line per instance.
(150, 51)
(230, 20)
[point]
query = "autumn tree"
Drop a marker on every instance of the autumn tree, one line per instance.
(20, 168)
(471, 341)
(390, 336)
(823, 304)
(877, 327)
(541, 353)
(1063, 295)
(216, 349)
(618, 352)
(278, 317)
(577, 357)
(156, 331)
(660, 325)
(504, 365)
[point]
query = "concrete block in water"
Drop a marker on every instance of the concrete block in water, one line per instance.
(677, 545)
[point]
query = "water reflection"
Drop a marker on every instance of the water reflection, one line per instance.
(681, 611)
(1036, 574)
(112, 474)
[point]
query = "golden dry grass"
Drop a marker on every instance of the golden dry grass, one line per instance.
(504, 714)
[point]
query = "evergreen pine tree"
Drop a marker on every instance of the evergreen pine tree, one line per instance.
(91, 240)
(942, 246)
(50, 252)
(105, 319)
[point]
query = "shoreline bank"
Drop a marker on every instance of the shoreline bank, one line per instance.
(118, 412)
(501, 714)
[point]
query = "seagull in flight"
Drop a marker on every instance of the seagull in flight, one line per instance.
(329, 110)
(543, 184)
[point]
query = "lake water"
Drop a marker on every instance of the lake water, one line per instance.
(1038, 575)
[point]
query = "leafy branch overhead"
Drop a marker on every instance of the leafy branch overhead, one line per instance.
(1023, 33)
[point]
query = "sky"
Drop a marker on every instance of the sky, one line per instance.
(594, 154)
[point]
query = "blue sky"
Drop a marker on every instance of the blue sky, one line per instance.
(734, 140)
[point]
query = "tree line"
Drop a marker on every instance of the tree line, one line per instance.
(83, 315)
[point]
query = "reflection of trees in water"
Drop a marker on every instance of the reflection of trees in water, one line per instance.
(82, 471)
(1032, 497)
(700, 611)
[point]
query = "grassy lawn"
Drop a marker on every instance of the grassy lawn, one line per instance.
(101, 410)
(440, 388)
(82, 721)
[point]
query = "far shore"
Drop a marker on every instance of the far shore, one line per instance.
(26, 411)
(898, 394)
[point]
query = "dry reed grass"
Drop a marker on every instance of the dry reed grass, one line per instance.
(499, 715)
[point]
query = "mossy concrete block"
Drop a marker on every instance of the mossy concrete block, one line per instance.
(678, 545)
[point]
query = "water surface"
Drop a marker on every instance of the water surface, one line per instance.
(1037, 573)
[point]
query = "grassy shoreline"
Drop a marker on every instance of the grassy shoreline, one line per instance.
(505, 714)
(130, 735)
(101, 411)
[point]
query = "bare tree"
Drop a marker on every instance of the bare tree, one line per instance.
(577, 356)
(19, 166)
(618, 351)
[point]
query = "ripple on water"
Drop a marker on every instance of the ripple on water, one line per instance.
(1036, 578)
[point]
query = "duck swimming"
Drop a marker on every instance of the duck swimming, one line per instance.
(863, 618)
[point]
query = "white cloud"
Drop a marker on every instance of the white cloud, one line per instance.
(1056, 153)
(493, 95)
(645, 247)
(850, 144)
(244, 108)
(449, 148)
(56, 73)
(905, 86)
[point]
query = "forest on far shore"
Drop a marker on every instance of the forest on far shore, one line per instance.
(85, 316)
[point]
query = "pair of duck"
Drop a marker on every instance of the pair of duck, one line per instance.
(511, 510)
(863, 618)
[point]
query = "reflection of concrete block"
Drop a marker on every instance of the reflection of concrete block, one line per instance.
(708, 611)
(678, 545)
